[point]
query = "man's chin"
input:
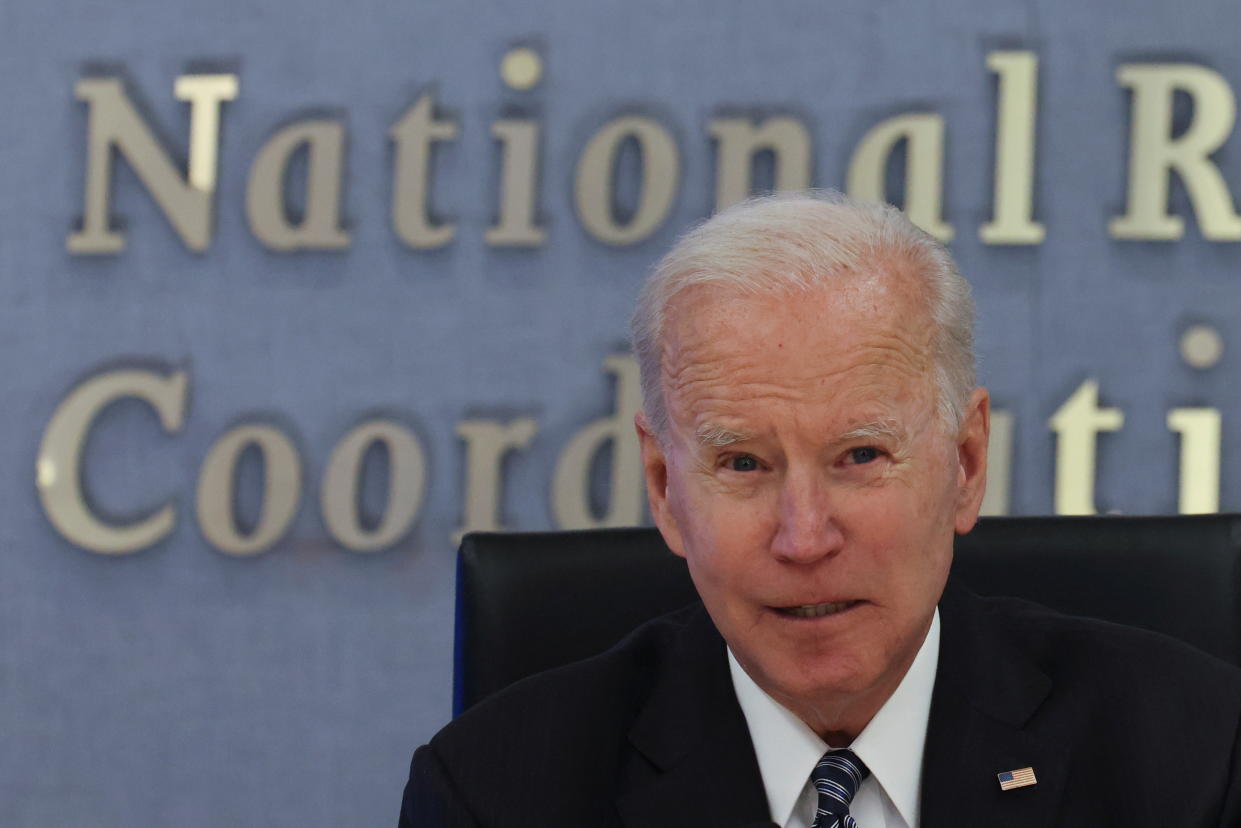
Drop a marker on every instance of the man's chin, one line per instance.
(829, 682)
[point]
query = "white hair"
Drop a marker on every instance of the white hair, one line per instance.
(796, 241)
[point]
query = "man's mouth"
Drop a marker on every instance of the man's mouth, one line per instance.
(816, 610)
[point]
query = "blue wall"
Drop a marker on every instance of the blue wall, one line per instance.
(181, 686)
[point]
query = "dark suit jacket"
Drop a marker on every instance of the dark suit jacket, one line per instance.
(1122, 727)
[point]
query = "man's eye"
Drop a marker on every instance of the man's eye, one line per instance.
(864, 454)
(742, 463)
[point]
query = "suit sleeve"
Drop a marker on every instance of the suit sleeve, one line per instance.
(431, 798)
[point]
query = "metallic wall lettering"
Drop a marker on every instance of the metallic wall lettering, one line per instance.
(1200, 449)
(205, 94)
(115, 123)
(1154, 154)
(59, 467)
(282, 489)
(571, 487)
(739, 139)
(319, 227)
(487, 443)
(429, 336)
(407, 477)
(923, 134)
(1077, 424)
(414, 136)
(521, 68)
(1016, 108)
(519, 179)
(592, 188)
(1201, 347)
(187, 200)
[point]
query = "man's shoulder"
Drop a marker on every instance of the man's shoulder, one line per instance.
(1100, 686)
(1098, 708)
(1080, 650)
(561, 747)
(585, 702)
(553, 744)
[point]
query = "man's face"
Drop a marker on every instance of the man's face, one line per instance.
(808, 481)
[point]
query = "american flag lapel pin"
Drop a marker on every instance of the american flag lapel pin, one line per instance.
(1020, 778)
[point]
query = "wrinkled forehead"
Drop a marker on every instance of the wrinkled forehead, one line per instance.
(850, 349)
(887, 307)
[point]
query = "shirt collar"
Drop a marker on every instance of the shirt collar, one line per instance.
(891, 744)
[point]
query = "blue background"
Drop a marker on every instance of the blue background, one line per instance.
(178, 686)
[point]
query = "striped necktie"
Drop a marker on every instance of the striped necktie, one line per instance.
(837, 778)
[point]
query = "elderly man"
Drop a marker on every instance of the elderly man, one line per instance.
(812, 439)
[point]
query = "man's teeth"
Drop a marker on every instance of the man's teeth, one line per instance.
(818, 610)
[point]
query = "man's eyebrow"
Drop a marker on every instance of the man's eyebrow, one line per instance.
(718, 437)
(875, 429)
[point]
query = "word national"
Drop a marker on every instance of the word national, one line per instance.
(636, 155)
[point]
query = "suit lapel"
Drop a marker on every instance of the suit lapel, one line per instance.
(694, 762)
(987, 693)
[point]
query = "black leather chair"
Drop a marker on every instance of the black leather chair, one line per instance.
(527, 602)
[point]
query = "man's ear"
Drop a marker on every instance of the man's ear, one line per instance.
(972, 440)
(655, 470)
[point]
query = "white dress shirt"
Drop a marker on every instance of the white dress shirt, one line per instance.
(890, 745)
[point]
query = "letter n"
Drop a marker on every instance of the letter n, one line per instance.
(115, 123)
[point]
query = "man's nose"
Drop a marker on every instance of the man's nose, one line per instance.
(807, 530)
